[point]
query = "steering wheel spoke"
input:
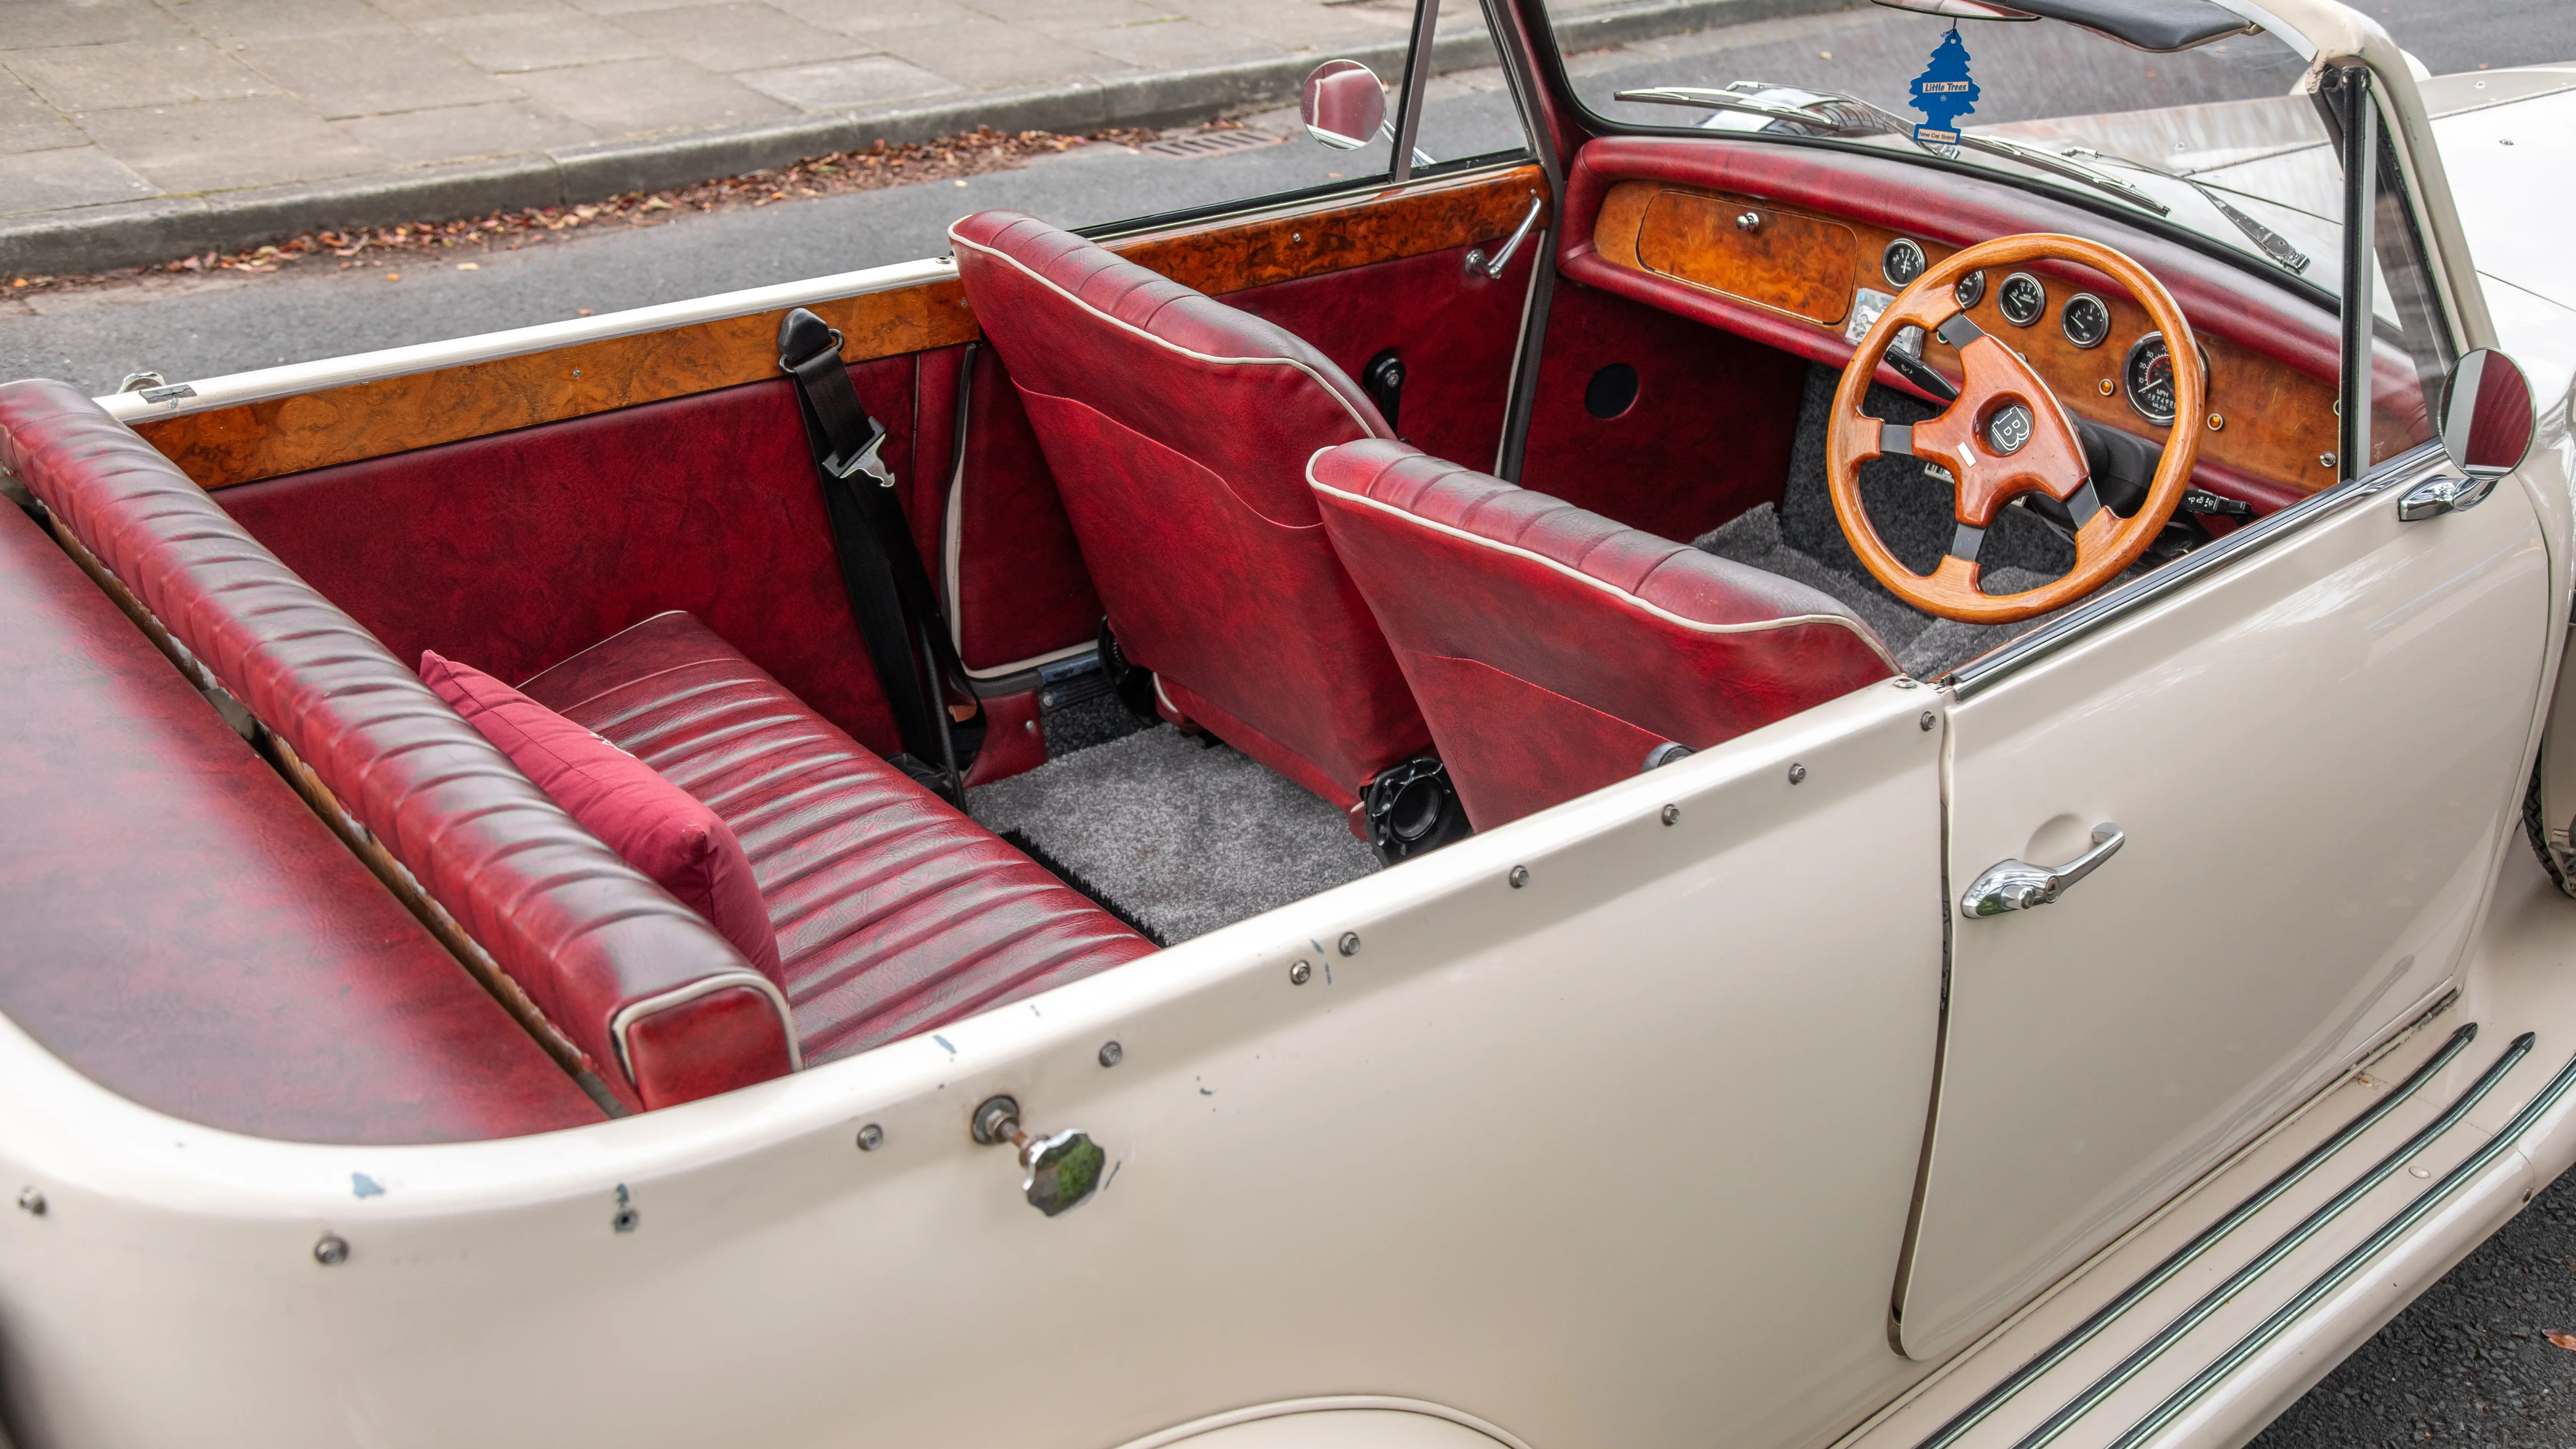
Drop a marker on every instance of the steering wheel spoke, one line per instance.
(2005, 435)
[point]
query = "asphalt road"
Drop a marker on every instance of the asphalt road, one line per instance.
(2468, 1364)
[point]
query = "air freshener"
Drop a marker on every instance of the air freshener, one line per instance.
(1944, 93)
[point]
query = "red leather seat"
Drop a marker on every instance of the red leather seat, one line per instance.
(1553, 649)
(629, 983)
(894, 913)
(1178, 430)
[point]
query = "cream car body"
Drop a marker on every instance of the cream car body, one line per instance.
(1635, 1153)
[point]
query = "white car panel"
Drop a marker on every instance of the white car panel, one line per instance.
(2313, 755)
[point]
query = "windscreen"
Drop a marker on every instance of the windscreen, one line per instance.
(2216, 139)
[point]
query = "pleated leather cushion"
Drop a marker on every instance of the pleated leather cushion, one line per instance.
(658, 827)
(894, 913)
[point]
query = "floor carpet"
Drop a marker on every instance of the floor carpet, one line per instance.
(1176, 836)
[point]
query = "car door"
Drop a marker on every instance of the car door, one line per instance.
(2310, 740)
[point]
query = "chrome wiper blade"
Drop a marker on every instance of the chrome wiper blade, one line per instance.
(1852, 116)
(2272, 243)
(1708, 100)
(2050, 161)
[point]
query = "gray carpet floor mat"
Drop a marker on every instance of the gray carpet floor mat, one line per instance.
(1802, 540)
(1924, 646)
(1176, 836)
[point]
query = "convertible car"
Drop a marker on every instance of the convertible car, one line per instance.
(1760, 755)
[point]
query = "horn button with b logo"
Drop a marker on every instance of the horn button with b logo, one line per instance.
(2008, 429)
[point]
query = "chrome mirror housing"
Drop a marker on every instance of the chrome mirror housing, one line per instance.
(1343, 104)
(2487, 417)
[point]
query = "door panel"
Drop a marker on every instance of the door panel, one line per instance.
(1455, 330)
(1707, 436)
(2313, 754)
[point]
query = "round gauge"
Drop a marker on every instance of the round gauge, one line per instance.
(2021, 299)
(1970, 291)
(1901, 263)
(2086, 320)
(2146, 375)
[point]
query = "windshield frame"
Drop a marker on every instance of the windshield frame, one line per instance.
(1549, 56)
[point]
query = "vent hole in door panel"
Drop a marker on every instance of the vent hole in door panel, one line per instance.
(1612, 391)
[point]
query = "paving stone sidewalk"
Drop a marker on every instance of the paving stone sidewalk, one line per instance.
(135, 130)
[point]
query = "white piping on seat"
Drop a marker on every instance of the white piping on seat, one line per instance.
(635, 1011)
(1165, 343)
(1613, 590)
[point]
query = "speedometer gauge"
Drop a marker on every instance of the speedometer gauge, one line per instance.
(2146, 375)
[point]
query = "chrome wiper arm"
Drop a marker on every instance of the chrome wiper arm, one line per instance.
(2272, 243)
(1852, 116)
(2050, 161)
(1707, 100)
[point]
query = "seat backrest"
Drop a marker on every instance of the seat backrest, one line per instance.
(662, 1008)
(1178, 430)
(1553, 649)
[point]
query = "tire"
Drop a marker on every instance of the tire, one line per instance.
(2536, 830)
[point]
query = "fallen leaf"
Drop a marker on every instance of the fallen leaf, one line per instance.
(469, 266)
(393, 276)
(2564, 1340)
(585, 311)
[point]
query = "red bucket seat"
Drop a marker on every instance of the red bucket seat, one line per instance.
(1555, 650)
(1178, 430)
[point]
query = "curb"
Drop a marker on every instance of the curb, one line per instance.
(138, 233)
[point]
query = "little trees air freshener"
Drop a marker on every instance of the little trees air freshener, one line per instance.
(1944, 93)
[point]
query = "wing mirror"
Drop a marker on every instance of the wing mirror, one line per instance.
(2487, 417)
(1343, 104)
(2487, 425)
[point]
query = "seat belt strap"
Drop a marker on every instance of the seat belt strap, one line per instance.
(898, 614)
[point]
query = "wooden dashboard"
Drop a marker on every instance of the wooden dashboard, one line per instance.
(2267, 422)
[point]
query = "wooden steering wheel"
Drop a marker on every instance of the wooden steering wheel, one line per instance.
(2006, 435)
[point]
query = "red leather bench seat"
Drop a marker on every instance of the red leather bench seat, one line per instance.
(659, 1007)
(894, 912)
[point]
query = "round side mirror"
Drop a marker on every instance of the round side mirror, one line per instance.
(2487, 417)
(1343, 104)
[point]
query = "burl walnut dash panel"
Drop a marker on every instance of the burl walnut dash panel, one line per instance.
(225, 446)
(1784, 260)
(2266, 421)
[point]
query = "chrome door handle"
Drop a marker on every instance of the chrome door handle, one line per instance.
(1493, 266)
(2017, 885)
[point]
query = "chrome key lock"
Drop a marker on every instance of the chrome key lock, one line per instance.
(1061, 1171)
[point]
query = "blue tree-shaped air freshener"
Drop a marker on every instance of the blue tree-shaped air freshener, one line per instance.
(1944, 93)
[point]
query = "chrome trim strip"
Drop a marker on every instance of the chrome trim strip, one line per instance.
(1977, 674)
(1417, 75)
(2189, 1253)
(233, 389)
(2308, 1227)
(2359, 1258)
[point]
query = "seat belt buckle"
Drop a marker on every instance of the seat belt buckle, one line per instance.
(867, 462)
